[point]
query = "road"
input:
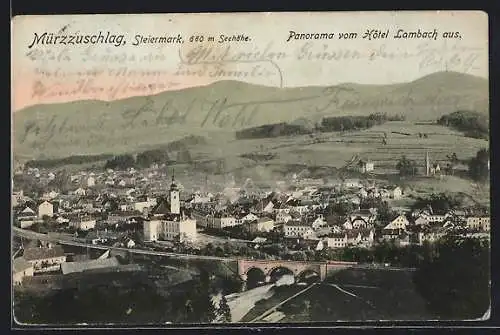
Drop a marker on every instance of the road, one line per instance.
(44, 237)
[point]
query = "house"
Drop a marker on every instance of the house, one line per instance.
(422, 221)
(83, 223)
(292, 229)
(400, 222)
(395, 192)
(365, 166)
(90, 181)
(364, 214)
(129, 243)
(319, 222)
(182, 229)
(80, 192)
(263, 224)
(201, 199)
(367, 237)
(435, 169)
(352, 183)
(249, 217)
(221, 221)
(21, 269)
(478, 223)
(431, 235)
(142, 206)
(336, 240)
(45, 209)
(283, 217)
(353, 237)
(45, 259)
(26, 217)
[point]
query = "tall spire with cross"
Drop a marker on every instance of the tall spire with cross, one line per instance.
(175, 206)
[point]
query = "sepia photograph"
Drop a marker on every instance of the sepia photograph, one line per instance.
(250, 168)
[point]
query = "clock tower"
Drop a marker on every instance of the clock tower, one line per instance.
(175, 204)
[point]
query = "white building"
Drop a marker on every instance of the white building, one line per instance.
(296, 229)
(401, 222)
(45, 208)
(223, 221)
(90, 181)
(83, 224)
(478, 223)
(335, 241)
(263, 224)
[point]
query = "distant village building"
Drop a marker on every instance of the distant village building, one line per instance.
(90, 181)
(26, 217)
(366, 166)
(263, 224)
(294, 229)
(83, 223)
(80, 191)
(478, 223)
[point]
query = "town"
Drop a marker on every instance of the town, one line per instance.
(300, 219)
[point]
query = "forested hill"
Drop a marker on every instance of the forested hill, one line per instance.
(96, 127)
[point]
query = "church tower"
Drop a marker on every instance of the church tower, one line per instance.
(175, 204)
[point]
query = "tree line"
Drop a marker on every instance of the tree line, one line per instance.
(478, 166)
(75, 159)
(473, 124)
(327, 124)
(146, 159)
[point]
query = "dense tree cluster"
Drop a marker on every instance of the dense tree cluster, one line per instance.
(354, 122)
(120, 162)
(479, 168)
(272, 130)
(146, 158)
(327, 124)
(406, 167)
(472, 123)
(439, 203)
(456, 282)
(76, 159)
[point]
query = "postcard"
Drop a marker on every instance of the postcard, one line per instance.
(250, 168)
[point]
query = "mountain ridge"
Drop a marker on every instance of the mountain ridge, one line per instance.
(226, 106)
(458, 75)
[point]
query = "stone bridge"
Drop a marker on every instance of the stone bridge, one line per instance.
(298, 268)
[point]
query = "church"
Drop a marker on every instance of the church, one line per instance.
(168, 221)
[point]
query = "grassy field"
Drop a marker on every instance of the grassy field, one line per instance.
(132, 124)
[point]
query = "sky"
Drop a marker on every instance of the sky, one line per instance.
(270, 53)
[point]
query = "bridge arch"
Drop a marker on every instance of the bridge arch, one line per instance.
(255, 276)
(276, 272)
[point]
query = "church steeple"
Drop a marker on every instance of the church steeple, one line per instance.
(175, 206)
